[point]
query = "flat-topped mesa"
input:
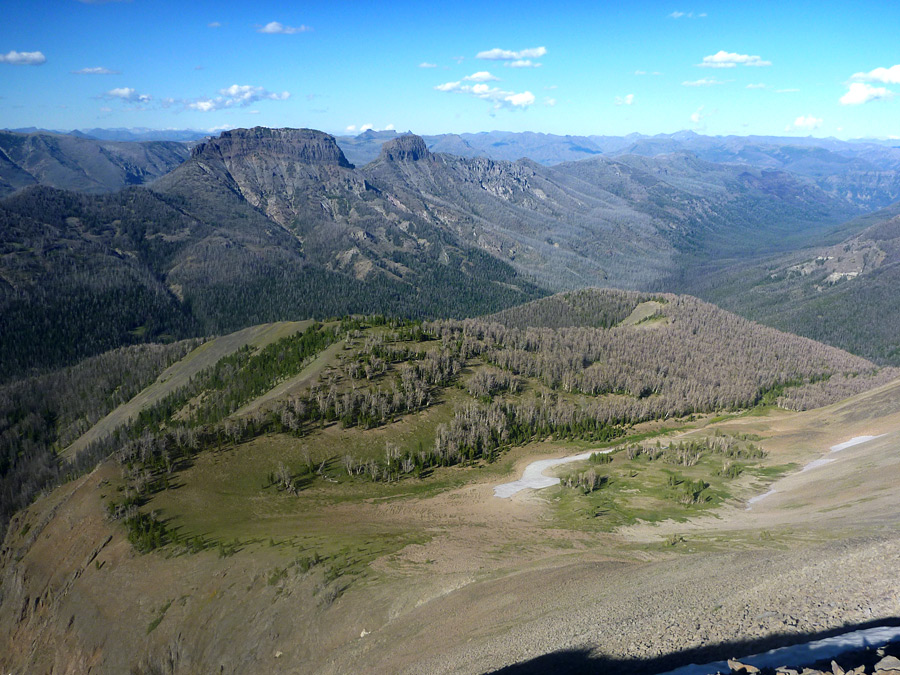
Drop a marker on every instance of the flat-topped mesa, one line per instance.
(407, 147)
(306, 146)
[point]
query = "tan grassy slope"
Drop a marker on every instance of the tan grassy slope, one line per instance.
(453, 580)
(179, 374)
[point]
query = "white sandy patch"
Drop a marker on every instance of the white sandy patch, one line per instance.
(533, 477)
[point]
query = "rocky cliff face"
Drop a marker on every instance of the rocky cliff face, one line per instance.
(408, 147)
(305, 146)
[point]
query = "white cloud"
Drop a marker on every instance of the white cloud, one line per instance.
(698, 115)
(214, 24)
(448, 86)
(276, 28)
(23, 58)
(237, 95)
(523, 100)
(549, 101)
(723, 59)
(500, 97)
(350, 128)
(689, 15)
(640, 72)
(205, 105)
(497, 54)
(807, 122)
(425, 64)
(705, 82)
(625, 100)
(481, 76)
(756, 86)
(886, 75)
(522, 63)
(127, 94)
(860, 92)
(95, 71)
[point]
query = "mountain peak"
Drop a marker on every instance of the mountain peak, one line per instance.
(306, 146)
(407, 147)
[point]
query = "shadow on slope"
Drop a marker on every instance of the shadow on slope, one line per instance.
(583, 660)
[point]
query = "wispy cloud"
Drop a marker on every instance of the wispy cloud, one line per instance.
(481, 76)
(522, 63)
(807, 122)
(449, 86)
(425, 64)
(127, 94)
(625, 100)
(499, 97)
(549, 101)
(276, 28)
(640, 73)
(95, 71)
(236, 96)
(705, 82)
(756, 86)
(862, 92)
(687, 15)
(698, 115)
(497, 54)
(214, 24)
(23, 58)
(723, 59)
(885, 75)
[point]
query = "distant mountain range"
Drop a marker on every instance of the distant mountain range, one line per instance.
(134, 134)
(265, 224)
(82, 164)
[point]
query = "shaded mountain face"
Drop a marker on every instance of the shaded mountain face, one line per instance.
(82, 164)
(264, 224)
(255, 227)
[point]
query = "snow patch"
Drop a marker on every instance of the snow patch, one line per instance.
(533, 477)
(806, 653)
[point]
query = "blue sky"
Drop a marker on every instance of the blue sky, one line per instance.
(775, 68)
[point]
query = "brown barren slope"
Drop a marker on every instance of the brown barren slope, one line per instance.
(492, 583)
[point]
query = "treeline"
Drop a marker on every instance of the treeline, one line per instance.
(41, 415)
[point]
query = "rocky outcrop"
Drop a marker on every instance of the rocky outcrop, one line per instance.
(306, 146)
(408, 147)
